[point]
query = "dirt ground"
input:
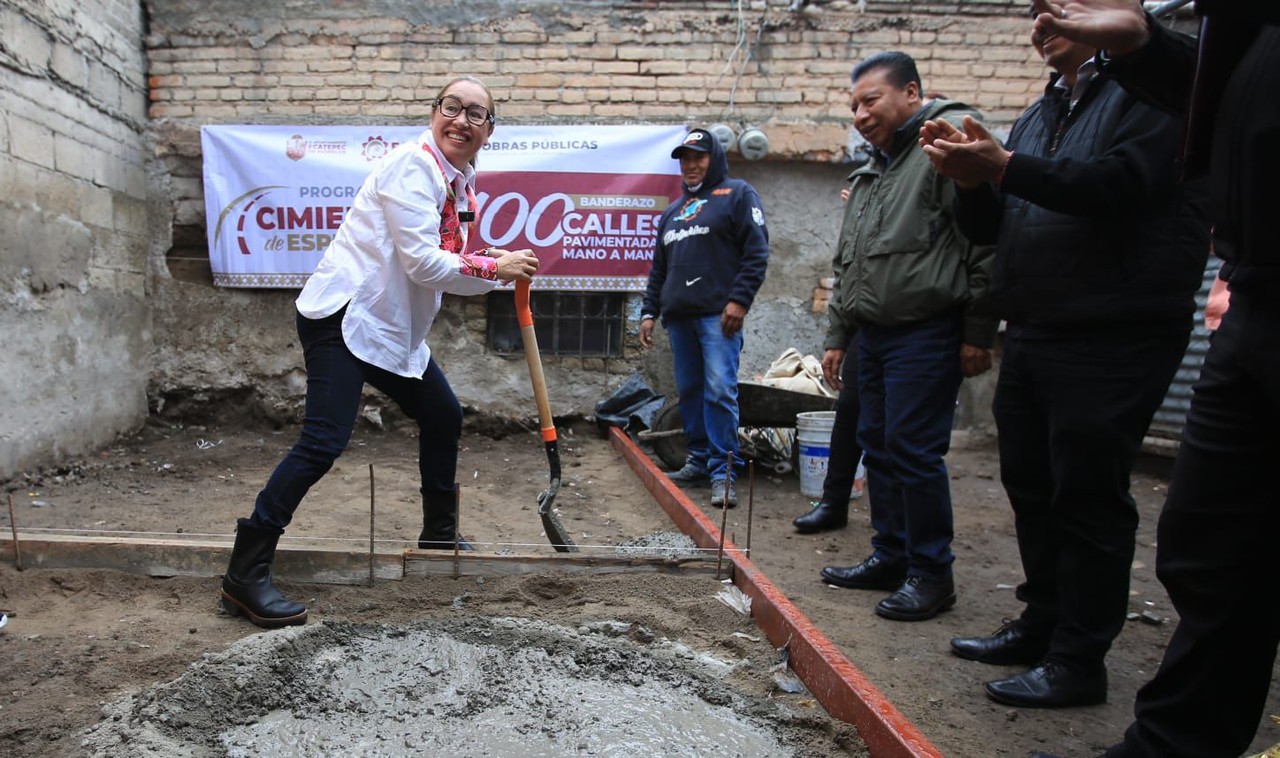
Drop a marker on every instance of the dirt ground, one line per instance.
(79, 639)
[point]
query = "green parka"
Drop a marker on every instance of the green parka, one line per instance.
(901, 258)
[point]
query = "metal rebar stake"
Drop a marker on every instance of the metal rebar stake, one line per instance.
(371, 493)
(724, 514)
(13, 525)
(751, 498)
(457, 528)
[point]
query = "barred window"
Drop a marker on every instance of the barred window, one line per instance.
(566, 323)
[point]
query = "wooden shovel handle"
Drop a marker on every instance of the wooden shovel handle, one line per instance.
(524, 316)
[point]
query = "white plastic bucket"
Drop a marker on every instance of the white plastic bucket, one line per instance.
(813, 442)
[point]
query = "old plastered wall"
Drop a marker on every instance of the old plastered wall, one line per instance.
(380, 62)
(75, 330)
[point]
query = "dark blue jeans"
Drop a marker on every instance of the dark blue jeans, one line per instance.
(1217, 550)
(908, 378)
(706, 368)
(335, 380)
(1071, 409)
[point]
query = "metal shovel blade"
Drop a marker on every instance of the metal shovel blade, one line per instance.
(556, 532)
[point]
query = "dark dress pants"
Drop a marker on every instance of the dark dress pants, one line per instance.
(1217, 550)
(908, 378)
(1071, 409)
(335, 381)
(842, 466)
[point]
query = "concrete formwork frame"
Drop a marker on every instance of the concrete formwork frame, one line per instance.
(842, 689)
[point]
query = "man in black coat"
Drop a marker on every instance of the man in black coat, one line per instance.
(1216, 553)
(1099, 254)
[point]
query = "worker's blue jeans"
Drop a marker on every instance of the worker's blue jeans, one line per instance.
(335, 381)
(706, 369)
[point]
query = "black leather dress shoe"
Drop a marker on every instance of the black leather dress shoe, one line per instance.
(1051, 685)
(1013, 644)
(822, 518)
(919, 598)
(871, 574)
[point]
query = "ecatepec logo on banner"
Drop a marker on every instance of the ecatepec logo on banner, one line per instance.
(585, 199)
(297, 147)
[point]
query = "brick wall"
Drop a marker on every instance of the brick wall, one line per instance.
(598, 62)
(236, 61)
(74, 324)
(382, 61)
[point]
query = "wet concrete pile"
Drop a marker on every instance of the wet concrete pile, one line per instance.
(473, 686)
(672, 545)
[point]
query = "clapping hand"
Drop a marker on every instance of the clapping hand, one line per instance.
(969, 157)
(1117, 26)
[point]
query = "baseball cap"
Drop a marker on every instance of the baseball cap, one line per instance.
(696, 139)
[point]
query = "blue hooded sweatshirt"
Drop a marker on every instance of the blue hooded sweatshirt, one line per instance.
(713, 245)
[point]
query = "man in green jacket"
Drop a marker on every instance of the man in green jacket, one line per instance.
(906, 281)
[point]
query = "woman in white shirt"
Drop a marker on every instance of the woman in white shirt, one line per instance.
(363, 317)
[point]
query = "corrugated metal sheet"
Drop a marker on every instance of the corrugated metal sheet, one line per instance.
(1172, 415)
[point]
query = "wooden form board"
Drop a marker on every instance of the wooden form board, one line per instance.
(152, 557)
(441, 563)
(157, 557)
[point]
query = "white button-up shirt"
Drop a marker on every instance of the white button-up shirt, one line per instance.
(386, 264)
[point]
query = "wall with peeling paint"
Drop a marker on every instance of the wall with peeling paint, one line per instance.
(75, 327)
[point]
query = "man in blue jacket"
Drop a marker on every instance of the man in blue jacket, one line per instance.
(708, 264)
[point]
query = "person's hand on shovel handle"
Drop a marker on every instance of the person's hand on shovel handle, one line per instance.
(514, 265)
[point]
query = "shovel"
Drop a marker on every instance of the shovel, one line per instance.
(550, 522)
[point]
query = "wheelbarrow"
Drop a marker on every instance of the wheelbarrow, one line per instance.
(759, 405)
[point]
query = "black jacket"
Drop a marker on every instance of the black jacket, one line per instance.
(1091, 226)
(1238, 82)
(713, 247)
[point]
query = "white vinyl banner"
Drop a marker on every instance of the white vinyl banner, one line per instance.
(586, 199)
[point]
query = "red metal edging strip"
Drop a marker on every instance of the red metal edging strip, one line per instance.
(842, 689)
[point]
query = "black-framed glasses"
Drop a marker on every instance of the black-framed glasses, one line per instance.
(451, 106)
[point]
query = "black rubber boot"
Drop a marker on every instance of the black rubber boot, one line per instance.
(823, 517)
(440, 523)
(247, 589)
